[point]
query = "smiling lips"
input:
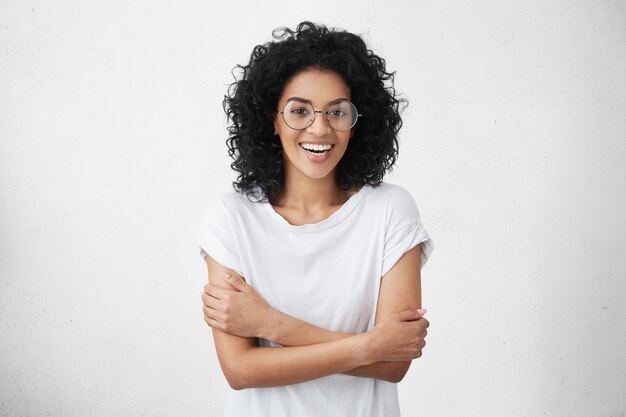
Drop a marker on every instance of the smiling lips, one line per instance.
(316, 149)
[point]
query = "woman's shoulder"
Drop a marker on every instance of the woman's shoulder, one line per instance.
(391, 193)
(396, 201)
(227, 203)
(232, 198)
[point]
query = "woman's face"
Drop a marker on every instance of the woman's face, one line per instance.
(321, 88)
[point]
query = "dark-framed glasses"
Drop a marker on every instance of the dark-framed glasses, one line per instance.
(300, 114)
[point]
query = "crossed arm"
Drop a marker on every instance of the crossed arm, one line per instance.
(239, 315)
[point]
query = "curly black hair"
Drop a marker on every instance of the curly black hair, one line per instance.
(251, 102)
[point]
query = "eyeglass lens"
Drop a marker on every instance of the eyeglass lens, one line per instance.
(341, 115)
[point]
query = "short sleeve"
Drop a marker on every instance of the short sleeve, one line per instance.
(216, 236)
(404, 230)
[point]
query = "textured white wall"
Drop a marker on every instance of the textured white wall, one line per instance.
(112, 140)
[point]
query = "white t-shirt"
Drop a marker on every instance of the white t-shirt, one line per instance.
(327, 274)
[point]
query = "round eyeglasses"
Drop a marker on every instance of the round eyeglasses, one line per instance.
(300, 114)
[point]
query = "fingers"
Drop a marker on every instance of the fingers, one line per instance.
(408, 315)
(421, 344)
(214, 324)
(211, 307)
(415, 350)
(211, 302)
(420, 326)
(213, 315)
(236, 282)
(217, 292)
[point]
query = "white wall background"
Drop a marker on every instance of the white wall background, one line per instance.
(112, 141)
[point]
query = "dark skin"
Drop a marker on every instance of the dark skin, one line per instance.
(238, 315)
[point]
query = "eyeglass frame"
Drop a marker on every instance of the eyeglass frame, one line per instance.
(282, 113)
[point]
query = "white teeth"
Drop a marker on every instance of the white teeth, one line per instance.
(315, 147)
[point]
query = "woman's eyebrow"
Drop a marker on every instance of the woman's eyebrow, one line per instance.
(304, 100)
(299, 99)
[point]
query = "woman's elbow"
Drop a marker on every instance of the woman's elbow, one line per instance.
(236, 386)
(236, 376)
(235, 382)
(398, 372)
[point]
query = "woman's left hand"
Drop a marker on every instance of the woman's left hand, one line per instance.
(240, 311)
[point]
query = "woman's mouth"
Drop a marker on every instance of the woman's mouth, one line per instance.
(316, 152)
(316, 149)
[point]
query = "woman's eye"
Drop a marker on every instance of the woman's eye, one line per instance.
(299, 111)
(337, 113)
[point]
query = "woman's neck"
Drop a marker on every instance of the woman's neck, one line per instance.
(308, 194)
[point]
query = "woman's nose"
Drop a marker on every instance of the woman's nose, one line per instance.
(320, 126)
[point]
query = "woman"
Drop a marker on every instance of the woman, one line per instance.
(314, 262)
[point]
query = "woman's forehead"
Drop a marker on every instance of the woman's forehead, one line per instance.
(317, 86)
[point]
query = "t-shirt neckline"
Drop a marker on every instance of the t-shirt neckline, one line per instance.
(330, 221)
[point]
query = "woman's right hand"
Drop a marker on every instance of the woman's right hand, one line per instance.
(398, 338)
(240, 310)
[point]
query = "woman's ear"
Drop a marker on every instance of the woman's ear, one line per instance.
(274, 117)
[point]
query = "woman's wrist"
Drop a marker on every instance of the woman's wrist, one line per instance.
(286, 330)
(271, 320)
(364, 351)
